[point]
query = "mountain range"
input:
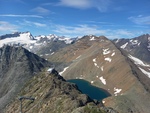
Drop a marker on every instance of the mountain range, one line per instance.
(119, 66)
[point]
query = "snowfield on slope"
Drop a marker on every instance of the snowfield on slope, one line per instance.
(138, 61)
(124, 45)
(145, 72)
(63, 70)
(24, 38)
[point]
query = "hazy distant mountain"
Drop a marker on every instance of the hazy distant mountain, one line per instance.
(99, 61)
(17, 66)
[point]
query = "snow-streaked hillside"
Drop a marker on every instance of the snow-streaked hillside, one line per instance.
(138, 47)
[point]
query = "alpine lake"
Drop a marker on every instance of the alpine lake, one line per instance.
(92, 91)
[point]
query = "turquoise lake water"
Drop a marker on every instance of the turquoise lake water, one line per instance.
(92, 91)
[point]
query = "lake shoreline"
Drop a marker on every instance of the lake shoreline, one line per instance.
(91, 90)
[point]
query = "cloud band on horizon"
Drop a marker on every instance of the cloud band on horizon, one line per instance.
(21, 16)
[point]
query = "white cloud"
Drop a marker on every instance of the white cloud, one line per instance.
(78, 30)
(101, 5)
(141, 20)
(6, 26)
(81, 30)
(41, 10)
(37, 24)
(76, 3)
(22, 16)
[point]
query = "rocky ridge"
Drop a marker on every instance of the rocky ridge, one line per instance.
(17, 65)
(99, 61)
(54, 95)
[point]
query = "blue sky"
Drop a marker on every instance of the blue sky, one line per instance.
(112, 18)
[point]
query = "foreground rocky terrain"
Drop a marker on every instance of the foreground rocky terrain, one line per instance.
(54, 95)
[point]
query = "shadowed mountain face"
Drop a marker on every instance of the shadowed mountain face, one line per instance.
(138, 47)
(99, 61)
(17, 65)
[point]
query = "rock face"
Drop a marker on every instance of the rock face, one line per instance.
(17, 65)
(99, 61)
(53, 95)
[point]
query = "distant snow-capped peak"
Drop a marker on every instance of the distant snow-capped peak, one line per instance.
(17, 38)
(26, 39)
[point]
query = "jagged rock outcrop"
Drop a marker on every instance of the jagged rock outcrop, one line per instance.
(17, 65)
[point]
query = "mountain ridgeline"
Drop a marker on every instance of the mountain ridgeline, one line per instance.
(99, 61)
(120, 67)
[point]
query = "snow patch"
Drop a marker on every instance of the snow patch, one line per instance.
(31, 47)
(106, 51)
(116, 91)
(79, 77)
(145, 72)
(108, 59)
(50, 70)
(92, 38)
(139, 43)
(102, 80)
(134, 42)
(94, 60)
(124, 45)
(102, 68)
(96, 65)
(63, 70)
(78, 57)
(52, 53)
(92, 82)
(46, 54)
(117, 41)
(113, 54)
